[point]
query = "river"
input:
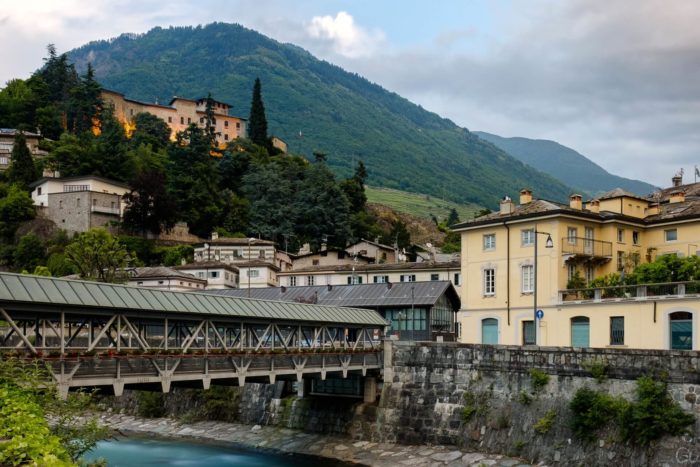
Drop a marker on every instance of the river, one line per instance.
(137, 452)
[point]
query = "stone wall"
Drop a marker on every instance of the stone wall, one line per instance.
(423, 400)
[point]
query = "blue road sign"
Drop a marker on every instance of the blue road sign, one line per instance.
(539, 314)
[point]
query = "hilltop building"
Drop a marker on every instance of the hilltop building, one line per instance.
(78, 204)
(613, 233)
(179, 114)
(7, 143)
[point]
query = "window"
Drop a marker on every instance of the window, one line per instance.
(94, 201)
(214, 274)
(527, 237)
(458, 278)
(620, 260)
(113, 204)
(489, 241)
(570, 271)
(60, 204)
(435, 277)
(589, 273)
(4, 161)
(571, 234)
(314, 262)
(201, 120)
(225, 123)
(527, 278)
(139, 283)
(200, 274)
(671, 235)
(309, 280)
(38, 190)
(261, 254)
(617, 330)
(189, 120)
(489, 331)
(489, 282)
(681, 324)
(292, 281)
(161, 282)
(226, 136)
(407, 278)
(253, 273)
(238, 125)
(381, 279)
(355, 280)
(182, 120)
(620, 235)
(529, 333)
(635, 237)
(170, 119)
(227, 276)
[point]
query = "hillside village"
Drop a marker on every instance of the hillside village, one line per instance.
(607, 245)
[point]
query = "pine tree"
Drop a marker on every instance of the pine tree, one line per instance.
(85, 102)
(150, 208)
(110, 157)
(257, 123)
(22, 170)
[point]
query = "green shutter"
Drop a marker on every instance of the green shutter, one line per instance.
(489, 331)
(682, 334)
(580, 332)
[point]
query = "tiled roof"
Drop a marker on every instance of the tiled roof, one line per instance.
(378, 267)
(162, 272)
(206, 265)
(690, 190)
(13, 132)
(673, 211)
(402, 294)
(616, 193)
(238, 241)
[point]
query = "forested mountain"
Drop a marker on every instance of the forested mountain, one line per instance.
(565, 164)
(315, 106)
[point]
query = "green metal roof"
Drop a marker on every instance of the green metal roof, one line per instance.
(39, 290)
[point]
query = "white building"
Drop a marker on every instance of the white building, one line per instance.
(218, 275)
(165, 278)
(241, 250)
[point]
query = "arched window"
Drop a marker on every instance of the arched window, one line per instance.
(681, 324)
(489, 331)
(580, 332)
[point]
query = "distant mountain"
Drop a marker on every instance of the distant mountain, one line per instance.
(315, 106)
(565, 164)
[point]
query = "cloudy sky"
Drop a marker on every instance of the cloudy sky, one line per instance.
(616, 80)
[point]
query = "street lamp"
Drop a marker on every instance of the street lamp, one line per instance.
(249, 263)
(547, 244)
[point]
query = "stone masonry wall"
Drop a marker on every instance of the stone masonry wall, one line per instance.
(423, 399)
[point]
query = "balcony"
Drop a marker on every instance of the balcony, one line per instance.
(586, 249)
(105, 210)
(639, 292)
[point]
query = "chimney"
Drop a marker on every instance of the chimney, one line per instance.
(506, 205)
(575, 202)
(214, 235)
(525, 196)
(677, 180)
(594, 205)
(677, 196)
(653, 209)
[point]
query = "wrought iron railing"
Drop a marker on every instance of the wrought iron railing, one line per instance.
(631, 292)
(586, 247)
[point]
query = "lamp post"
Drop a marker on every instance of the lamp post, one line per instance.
(249, 263)
(547, 244)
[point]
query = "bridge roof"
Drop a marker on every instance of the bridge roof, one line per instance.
(49, 291)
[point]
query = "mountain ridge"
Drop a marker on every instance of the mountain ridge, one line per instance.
(565, 164)
(315, 106)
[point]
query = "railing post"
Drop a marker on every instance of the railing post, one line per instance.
(641, 291)
(681, 289)
(598, 294)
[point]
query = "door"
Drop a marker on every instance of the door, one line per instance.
(588, 243)
(580, 332)
(681, 331)
(529, 333)
(489, 331)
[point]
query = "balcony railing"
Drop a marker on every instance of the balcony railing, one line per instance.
(586, 247)
(638, 292)
(105, 209)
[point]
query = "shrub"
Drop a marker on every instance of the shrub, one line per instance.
(474, 404)
(524, 398)
(653, 414)
(539, 379)
(151, 404)
(592, 410)
(598, 369)
(545, 423)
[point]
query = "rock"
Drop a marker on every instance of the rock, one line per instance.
(471, 458)
(447, 456)
(256, 428)
(361, 444)
(341, 447)
(509, 463)
(425, 452)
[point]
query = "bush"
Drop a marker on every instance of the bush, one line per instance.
(545, 423)
(593, 410)
(474, 404)
(151, 404)
(598, 369)
(653, 414)
(539, 379)
(524, 398)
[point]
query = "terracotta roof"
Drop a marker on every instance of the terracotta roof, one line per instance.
(378, 267)
(206, 265)
(676, 211)
(661, 196)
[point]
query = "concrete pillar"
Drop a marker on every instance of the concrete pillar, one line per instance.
(165, 385)
(206, 382)
(303, 387)
(370, 389)
(118, 389)
(63, 391)
(388, 360)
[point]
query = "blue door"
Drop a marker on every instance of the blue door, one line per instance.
(681, 331)
(580, 332)
(489, 331)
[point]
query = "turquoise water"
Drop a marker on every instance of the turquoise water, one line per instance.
(134, 452)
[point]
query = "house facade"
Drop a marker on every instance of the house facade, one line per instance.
(7, 143)
(179, 114)
(217, 275)
(613, 233)
(78, 204)
(165, 278)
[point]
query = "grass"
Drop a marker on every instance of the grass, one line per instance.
(417, 204)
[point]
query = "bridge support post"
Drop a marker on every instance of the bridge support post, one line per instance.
(370, 389)
(388, 359)
(165, 385)
(303, 387)
(118, 389)
(63, 391)
(206, 382)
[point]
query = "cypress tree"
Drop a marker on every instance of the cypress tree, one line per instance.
(257, 123)
(22, 170)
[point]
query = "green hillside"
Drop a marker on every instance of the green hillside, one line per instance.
(315, 106)
(417, 204)
(565, 164)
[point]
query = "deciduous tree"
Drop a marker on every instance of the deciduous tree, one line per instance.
(97, 255)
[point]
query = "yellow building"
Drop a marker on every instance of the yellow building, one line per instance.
(612, 233)
(178, 114)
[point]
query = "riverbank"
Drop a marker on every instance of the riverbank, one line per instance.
(289, 441)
